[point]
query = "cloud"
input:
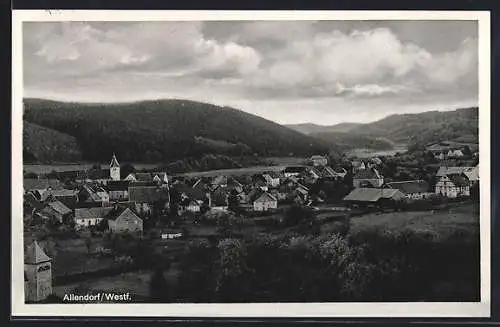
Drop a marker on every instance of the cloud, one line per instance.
(259, 61)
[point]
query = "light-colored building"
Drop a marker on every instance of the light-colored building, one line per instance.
(85, 217)
(415, 189)
(453, 185)
(265, 202)
(126, 222)
(319, 160)
(37, 273)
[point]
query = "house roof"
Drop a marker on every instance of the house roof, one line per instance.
(33, 254)
(39, 184)
(114, 162)
(127, 215)
(367, 174)
(265, 196)
(96, 212)
(318, 157)
(117, 186)
(409, 187)
(372, 194)
(60, 193)
(472, 175)
(147, 194)
(31, 199)
(458, 179)
(218, 180)
(59, 207)
(443, 171)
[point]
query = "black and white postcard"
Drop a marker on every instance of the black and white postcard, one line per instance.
(251, 164)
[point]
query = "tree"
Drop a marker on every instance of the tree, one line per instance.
(467, 152)
(126, 169)
(234, 202)
(231, 267)
(297, 215)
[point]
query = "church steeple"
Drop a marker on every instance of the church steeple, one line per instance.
(114, 169)
(114, 162)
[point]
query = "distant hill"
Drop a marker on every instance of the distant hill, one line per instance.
(160, 130)
(309, 128)
(41, 144)
(349, 141)
(426, 127)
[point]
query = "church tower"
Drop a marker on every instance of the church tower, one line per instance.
(114, 169)
(38, 273)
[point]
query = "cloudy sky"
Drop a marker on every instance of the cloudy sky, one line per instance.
(323, 72)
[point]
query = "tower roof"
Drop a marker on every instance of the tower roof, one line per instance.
(34, 254)
(114, 162)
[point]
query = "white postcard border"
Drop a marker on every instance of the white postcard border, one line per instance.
(297, 310)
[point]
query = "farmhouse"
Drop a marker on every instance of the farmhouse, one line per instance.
(319, 160)
(93, 195)
(85, 217)
(368, 178)
(373, 196)
(272, 179)
(126, 222)
(265, 202)
(416, 189)
(443, 171)
(453, 185)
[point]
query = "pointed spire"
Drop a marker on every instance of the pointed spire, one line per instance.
(34, 254)
(114, 162)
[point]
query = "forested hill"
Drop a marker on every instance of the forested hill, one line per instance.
(349, 141)
(164, 130)
(426, 127)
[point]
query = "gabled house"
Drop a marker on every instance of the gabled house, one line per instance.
(68, 197)
(416, 189)
(234, 185)
(155, 177)
(218, 181)
(85, 217)
(444, 170)
(93, 194)
(272, 180)
(56, 211)
(368, 177)
(126, 222)
(259, 181)
(453, 185)
(264, 202)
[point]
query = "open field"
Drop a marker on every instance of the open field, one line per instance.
(234, 171)
(444, 222)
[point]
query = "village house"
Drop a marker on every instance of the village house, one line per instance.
(56, 211)
(415, 190)
(145, 197)
(86, 217)
(218, 181)
(272, 179)
(373, 197)
(453, 185)
(445, 170)
(93, 195)
(37, 273)
(118, 190)
(455, 153)
(358, 165)
(234, 185)
(264, 202)
(259, 181)
(68, 197)
(368, 178)
(95, 175)
(126, 222)
(318, 160)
